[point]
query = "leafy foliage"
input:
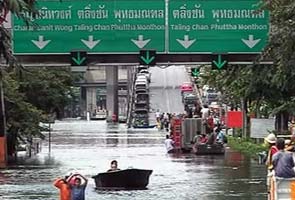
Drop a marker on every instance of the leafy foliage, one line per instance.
(248, 147)
(47, 88)
(32, 96)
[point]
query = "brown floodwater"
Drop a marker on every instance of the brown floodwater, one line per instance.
(88, 148)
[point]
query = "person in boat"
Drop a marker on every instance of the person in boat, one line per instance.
(212, 137)
(114, 166)
(203, 139)
(199, 139)
(282, 161)
(78, 188)
(169, 144)
(270, 141)
(64, 188)
(220, 138)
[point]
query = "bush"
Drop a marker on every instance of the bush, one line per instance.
(246, 146)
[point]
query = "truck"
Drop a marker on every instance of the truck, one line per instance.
(184, 132)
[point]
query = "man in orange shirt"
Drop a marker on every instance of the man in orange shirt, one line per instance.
(64, 188)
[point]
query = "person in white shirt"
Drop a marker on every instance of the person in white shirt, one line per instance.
(158, 115)
(169, 143)
(205, 112)
(166, 116)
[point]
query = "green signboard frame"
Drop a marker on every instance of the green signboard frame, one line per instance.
(127, 26)
(100, 26)
(217, 26)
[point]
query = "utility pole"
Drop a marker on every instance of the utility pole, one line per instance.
(49, 139)
(244, 127)
(3, 144)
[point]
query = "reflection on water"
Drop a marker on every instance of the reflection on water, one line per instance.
(88, 148)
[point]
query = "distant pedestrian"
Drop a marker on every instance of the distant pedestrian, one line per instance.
(205, 112)
(158, 115)
(169, 144)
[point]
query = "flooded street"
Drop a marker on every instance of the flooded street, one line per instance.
(88, 148)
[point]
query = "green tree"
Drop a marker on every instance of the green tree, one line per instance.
(49, 89)
(32, 95)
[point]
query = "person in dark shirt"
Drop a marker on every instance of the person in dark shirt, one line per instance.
(114, 166)
(283, 162)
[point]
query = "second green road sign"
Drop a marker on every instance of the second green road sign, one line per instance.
(126, 26)
(217, 26)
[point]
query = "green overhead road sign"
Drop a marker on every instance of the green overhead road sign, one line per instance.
(234, 26)
(97, 26)
(147, 57)
(219, 61)
(127, 26)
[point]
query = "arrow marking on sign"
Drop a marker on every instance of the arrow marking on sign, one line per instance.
(40, 43)
(195, 72)
(90, 43)
(219, 64)
(186, 43)
(140, 43)
(78, 60)
(147, 59)
(251, 42)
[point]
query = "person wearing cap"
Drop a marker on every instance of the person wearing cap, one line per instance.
(271, 141)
